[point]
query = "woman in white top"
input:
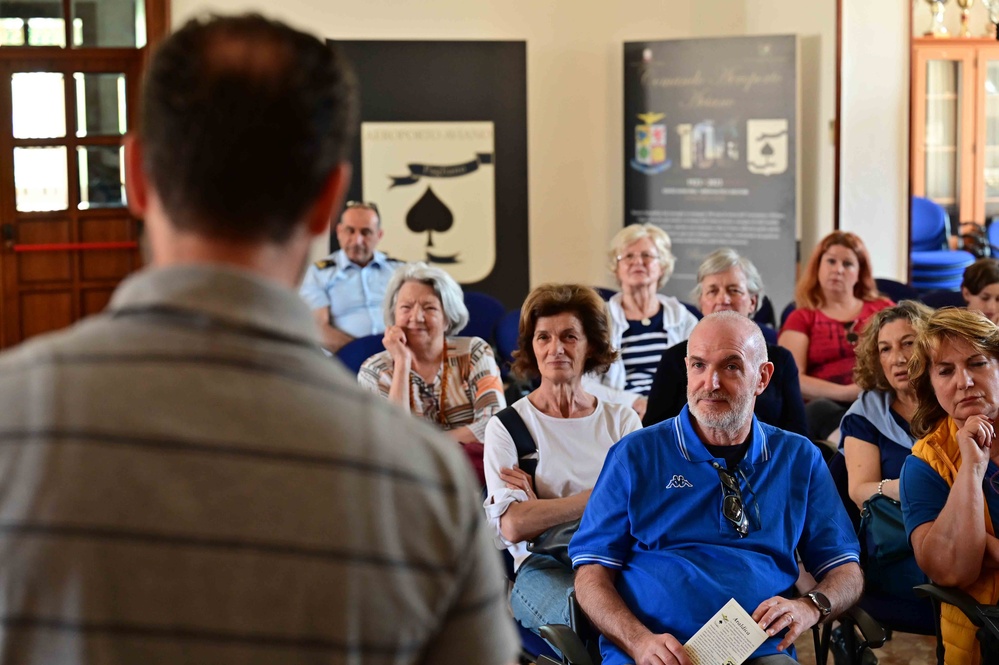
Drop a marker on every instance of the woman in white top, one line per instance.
(644, 323)
(564, 333)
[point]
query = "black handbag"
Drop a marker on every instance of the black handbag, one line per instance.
(890, 565)
(555, 542)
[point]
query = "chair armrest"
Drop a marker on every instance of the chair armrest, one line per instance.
(873, 632)
(952, 596)
(562, 638)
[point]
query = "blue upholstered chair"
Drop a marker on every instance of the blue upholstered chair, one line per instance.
(484, 311)
(354, 353)
(605, 293)
(942, 298)
(765, 315)
(693, 310)
(897, 291)
(934, 266)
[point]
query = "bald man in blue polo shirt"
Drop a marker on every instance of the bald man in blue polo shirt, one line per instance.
(709, 506)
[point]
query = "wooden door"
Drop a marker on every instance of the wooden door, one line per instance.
(67, 238)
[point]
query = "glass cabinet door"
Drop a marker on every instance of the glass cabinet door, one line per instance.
(945, 118)
(989, 159)
(943, 132)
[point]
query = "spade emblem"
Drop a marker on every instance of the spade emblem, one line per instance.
(767, 151)
(427, 215)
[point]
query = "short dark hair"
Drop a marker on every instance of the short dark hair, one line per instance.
(980, 274)
(552, 299)
(243, 120)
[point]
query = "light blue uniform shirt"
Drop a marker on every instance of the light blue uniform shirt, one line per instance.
(353, 294)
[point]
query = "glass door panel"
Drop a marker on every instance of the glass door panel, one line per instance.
(110, 23)
(991, 143)
(38, 105)
(100, 104)
(41, 179)
(943, 131)
(102, 182)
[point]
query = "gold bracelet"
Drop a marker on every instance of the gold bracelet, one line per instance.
(881, 486)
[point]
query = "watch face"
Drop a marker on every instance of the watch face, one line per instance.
(821, 602)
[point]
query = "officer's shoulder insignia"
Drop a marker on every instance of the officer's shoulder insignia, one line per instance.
(323, 264)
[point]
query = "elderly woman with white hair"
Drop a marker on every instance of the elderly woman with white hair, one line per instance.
(450, 381)
(644, 323)
(728, 281)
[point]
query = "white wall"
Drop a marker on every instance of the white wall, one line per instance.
(575, 102)
(874, 169)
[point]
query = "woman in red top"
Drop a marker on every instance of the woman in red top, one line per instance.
(835, 296)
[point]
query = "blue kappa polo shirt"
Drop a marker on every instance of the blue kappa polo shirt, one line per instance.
(655, 515)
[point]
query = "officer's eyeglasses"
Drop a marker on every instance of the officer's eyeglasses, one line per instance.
(367, 205)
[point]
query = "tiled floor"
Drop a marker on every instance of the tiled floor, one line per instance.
(902, 649)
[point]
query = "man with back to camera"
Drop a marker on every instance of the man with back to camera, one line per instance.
(709, 506)
(185, 479)
(346, 289)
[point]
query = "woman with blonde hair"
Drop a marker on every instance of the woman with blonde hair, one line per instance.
(644, 323)
(835, 296)
(949, 485)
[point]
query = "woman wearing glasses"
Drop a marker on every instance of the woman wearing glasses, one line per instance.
(563, 333)
(644, 323)
(950, 488)
(835, 296)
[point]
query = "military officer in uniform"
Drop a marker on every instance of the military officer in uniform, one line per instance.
(345, 290)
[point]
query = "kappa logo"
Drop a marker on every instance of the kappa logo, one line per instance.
(677, 482)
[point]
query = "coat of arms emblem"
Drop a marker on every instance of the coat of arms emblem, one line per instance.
(650, 144)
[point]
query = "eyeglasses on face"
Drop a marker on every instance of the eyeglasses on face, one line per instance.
(733, 508)
(631, 257)
(367, 205)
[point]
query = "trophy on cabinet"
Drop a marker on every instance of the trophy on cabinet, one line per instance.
(937, 27)
(965, 6)
(993, 8)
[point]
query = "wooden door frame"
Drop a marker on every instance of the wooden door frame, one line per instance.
(157, 28)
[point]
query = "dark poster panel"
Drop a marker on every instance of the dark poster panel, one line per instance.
(711, 151)
(442, 150)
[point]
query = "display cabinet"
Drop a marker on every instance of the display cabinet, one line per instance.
(955, 125)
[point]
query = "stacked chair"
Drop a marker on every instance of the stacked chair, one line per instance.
(934, 266)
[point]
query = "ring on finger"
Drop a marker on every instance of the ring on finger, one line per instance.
(790, 617)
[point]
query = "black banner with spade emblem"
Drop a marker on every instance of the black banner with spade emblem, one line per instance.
(442, 150)
(710, 142)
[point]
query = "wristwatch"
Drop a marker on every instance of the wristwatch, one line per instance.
(821, 603)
